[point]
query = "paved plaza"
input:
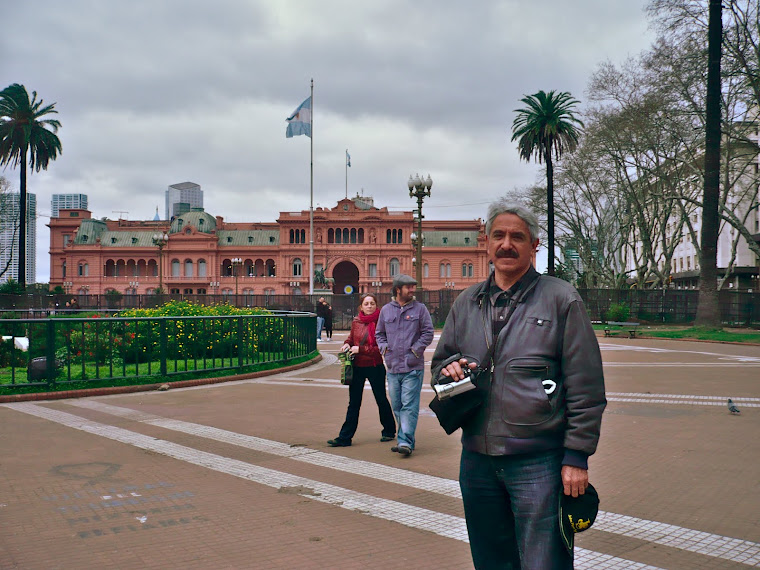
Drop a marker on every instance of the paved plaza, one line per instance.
(238, 475)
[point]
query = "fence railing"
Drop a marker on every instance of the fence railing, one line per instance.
(53, 351)
(674, 306)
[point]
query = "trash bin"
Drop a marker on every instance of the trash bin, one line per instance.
(37, 369)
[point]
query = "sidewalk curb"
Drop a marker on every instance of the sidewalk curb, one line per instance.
(105, 391)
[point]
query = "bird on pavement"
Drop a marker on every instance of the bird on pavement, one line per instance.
(732, 407)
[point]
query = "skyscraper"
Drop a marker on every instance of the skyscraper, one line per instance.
(183, 197)
(67, 202)
(9, 217)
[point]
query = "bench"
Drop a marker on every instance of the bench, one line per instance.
(630, 327)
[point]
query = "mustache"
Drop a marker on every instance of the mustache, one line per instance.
(510, 254)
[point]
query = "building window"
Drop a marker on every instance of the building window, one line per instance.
(187, 292)
(331, 236)
(63, 267)
(373, 269)
(175, 269)
(188, 268)
(388, 236)
(394, 267)
(353, 235)
(445, 240)
(201, 291)
(361, 235)
(84, 270)
(425, 270)
(345, 235)
(174, 291)
(297, 267)
(464, 270)
(201, 268)
(229, 239)
(66, 240)
(467, 240)
(470, 272)
(442, 270)
(250, 239)
(271, 239)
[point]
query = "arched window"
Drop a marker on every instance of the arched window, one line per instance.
(361, 235)
(175, 267)
(227, 268)
(400, 236)
(394, 236)
(425, 271)
(442, 270)
(331, 236)
(338, 235)
(394, 267)
(345, 235)
(111, 268)
(297, 267)
(292, 236)
(303, 236)
(353, 235)
(388, 236)
(152, 268)
(448, 270)
(464, 270)
(188, 268)
(63, 268)
(271, 268)
(201, 268)
(469, 270)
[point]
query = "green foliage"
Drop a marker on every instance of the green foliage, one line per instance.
(618, 312)
(12, 287)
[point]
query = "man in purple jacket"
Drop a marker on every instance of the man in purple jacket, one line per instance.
(404, 331)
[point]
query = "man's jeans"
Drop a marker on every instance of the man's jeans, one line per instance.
(511, 507)
(320, 326)
(404, 389)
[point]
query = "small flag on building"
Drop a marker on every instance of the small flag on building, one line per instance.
(348, 158)
(299, 123)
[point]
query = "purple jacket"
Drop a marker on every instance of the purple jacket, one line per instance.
(403, 334)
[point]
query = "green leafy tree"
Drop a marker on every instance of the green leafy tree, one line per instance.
(26, 136)
(547, 126)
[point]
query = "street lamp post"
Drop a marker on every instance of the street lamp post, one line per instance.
(215, 286)
(236, 263)
(160, 241)
(419, 188)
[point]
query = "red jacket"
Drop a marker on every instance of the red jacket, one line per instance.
(368, 355)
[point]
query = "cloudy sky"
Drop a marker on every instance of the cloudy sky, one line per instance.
(155, 92)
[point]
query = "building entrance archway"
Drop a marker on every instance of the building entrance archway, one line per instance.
(346, 276)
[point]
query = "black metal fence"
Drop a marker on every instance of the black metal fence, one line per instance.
(51, 351)
(674, 306)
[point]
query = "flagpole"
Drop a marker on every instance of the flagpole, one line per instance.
(346, 161)
(311, 194)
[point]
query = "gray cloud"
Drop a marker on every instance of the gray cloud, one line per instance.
(153, 93)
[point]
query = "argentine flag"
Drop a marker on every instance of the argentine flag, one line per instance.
(299, 123)
(348, 159)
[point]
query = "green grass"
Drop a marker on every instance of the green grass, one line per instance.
(699, 333)
(183, 372)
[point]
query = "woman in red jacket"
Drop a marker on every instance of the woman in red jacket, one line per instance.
(368, 364)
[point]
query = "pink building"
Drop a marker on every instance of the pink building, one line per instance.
(357, 247)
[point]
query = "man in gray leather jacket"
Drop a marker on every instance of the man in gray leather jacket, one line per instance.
(543, 399)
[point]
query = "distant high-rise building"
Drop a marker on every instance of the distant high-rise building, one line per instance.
(183, 197)
(9, 228)
(67, 202)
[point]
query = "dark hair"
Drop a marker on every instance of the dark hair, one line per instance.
(364, 296)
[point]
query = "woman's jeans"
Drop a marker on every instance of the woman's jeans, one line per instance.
(376, 377)
(511, 505)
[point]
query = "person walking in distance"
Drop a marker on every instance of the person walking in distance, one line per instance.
(543, 399)
(321, 311)
(368, 364)
(404, 331)
(328, 321)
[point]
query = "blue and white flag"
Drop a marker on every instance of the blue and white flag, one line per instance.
(348, 159)
(299, 123)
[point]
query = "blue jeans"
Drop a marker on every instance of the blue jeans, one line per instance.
(511, 505)
(320, 325)
(404, 389)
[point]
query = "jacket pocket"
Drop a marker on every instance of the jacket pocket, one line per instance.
(526, 393)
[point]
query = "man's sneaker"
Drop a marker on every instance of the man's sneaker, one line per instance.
(394, 449)
(387, 438)
(338, 443)
(404, 450)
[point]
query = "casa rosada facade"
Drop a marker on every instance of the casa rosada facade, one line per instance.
(357, 248)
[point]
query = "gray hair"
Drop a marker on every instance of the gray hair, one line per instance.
(504, 206)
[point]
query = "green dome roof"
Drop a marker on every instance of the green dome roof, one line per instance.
(202, 221)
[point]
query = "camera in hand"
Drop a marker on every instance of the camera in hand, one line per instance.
(445, 391)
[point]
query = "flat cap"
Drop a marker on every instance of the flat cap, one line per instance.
(403, 279)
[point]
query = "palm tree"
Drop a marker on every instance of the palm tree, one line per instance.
(708, 309)
(544, 127)
(23, 133)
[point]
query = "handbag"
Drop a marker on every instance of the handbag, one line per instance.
(346, 367)
(457, 411)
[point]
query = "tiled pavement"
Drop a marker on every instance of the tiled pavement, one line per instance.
(238, 475)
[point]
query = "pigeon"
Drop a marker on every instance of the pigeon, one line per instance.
(732, 407)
